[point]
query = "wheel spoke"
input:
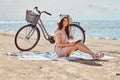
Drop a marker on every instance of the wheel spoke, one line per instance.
(27, 37)
(76, 33)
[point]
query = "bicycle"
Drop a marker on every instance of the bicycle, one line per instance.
(28, 36)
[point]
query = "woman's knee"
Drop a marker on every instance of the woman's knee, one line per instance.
(79, 44)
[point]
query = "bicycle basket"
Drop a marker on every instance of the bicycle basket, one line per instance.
(32, 17)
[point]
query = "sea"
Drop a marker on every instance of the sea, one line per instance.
(101, 29)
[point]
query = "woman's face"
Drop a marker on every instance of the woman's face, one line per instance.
(65, 22)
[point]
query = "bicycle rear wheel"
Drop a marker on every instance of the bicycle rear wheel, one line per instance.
(76, 33)
(27, 37)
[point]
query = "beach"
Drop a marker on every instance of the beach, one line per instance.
(11, 68)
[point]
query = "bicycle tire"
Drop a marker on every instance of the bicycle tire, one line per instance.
(19, 33)
(79, 33)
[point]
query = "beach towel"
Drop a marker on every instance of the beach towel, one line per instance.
(52, 56)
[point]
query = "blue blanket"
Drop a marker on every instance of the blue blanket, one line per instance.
(52, 56)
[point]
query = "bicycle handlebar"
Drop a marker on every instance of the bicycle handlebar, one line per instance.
(47, 13)
(42, 11)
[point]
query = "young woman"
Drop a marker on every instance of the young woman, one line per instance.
(65, 48)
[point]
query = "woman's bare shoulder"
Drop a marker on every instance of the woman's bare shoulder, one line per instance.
(58, 32)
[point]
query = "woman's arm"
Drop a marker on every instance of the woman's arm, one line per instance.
(58, 39)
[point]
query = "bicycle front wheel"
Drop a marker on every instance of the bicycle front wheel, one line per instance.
(27, 37)
(76, 33)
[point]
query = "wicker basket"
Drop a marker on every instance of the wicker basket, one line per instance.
(32, 17)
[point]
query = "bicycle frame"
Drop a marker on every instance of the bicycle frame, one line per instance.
(40, 23)
(44, 31)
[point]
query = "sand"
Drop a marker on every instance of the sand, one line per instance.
(11, 68)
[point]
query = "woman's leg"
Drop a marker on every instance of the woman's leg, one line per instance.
(84, 48)
(80, 46)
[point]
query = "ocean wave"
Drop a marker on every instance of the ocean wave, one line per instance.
(106, 38)
(22, 21)
(11, 22)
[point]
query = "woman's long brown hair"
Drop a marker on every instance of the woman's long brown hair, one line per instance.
(60, 26)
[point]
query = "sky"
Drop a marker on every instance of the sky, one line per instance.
(77, 9)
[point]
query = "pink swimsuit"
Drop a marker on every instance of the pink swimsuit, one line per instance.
(61, 50)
